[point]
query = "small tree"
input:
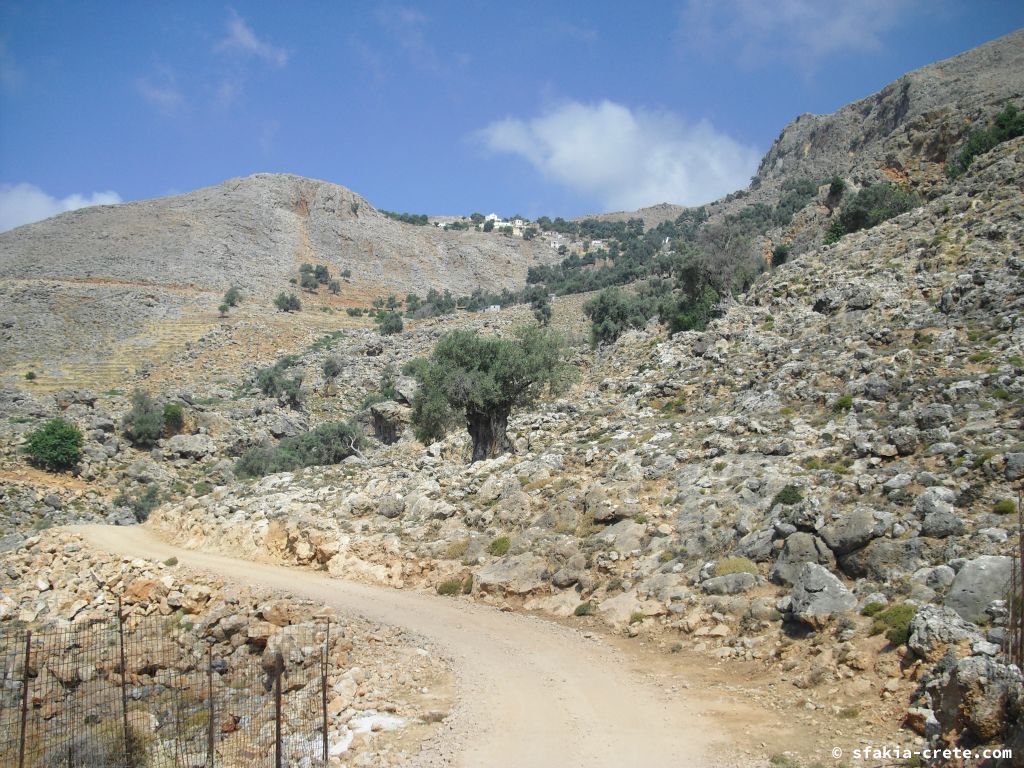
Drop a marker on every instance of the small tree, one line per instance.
(308, 282)
(541, 306)
(232, 296)
(322, 274)
(144, 423)
(489, 225)
(273, 382)
(56, 446)
(390, 324)
(223, 309)
(331, 369)
(483, 379)
(334, 287)
(288, 302)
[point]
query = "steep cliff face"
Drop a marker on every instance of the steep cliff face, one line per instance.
(908, 130)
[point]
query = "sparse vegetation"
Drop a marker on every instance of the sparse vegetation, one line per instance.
(895, 623)
(1005, 507)
(729, 565)
(329, 443)
(273, 381)
(870, 207)
(288, 302)
(482, 379)
(499, 546)
(788, 496)
(174, 418)
(842, 404)
(56, 446)
(144, 423)
(1007, 125)
(586, 608)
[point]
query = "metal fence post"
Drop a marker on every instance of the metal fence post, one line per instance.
(323, 685)
(124, 687)
(209, 696)
(278, 670)
(24, 700)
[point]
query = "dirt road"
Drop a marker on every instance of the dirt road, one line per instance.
(530, 693)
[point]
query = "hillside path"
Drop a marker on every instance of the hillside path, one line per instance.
(529, 692)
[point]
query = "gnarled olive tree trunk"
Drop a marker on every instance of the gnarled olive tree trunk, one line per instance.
(489, 432)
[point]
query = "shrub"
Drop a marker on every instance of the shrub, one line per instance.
(870, 207)
(144, 423)
(584, 609)
(611, 312)
(55, 446)
(308, 282)
(273, 382)
(872, 609)
(842, 403)
(1005, 507)
(1008, 124)
(331, 368)
(779, 255)
(329, 443)
(457, 549)
(354, 311)
(788, 496)
(499, 546)
(636, 617)
(728, 565)
(232, 296)
(334, 287)
(390, 324)
(449, 587)
(174, 418)
(895, 622)
(142, 504)
(201, 488)
(223, 309)
(30, 376)
(288, 302)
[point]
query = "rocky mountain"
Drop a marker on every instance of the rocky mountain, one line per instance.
(820, 485)
(86, 279)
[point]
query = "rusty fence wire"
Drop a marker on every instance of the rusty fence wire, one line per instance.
(155, 696)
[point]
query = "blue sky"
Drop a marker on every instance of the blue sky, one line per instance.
(443, 107)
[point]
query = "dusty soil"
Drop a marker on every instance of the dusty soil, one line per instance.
(529, 692)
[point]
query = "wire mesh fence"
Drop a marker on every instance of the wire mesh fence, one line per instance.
(154, 696)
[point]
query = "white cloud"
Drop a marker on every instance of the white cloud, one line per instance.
(25, 203)
(625, 158)
(803, 31)
(241, 39)
(164, 95)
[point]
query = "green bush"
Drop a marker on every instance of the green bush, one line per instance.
(611, 312)
(144, 423)
(780, 255)
(585, 608)
(232, 296)
(390, 323)
(788, 496)
(499, 546)
(273, 381)
(842, 403)
(288, 302)
(872, 609)
(30, 376)
(895, 622)
(334, 287)
(142, 504)
(450, 587)
(174, 418)
(870, 207)
(329, 443)
(1007, 125)
(1005, 507)
(55, 446)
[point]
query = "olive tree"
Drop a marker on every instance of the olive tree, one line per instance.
(482, 379)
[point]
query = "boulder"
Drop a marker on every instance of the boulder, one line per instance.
(977, 584)
(730, 584)
(517, 574)
(979, 699)
(818, 596)
(940, 525)
(625, 536)
(1013, 468)
(851, 531)
(189, 446)
(798, 549)
(390, 420)
(884, 559)
(935, 628)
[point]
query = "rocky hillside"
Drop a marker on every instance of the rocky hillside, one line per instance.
(907, 131)
(77, 282)
(845, 440)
